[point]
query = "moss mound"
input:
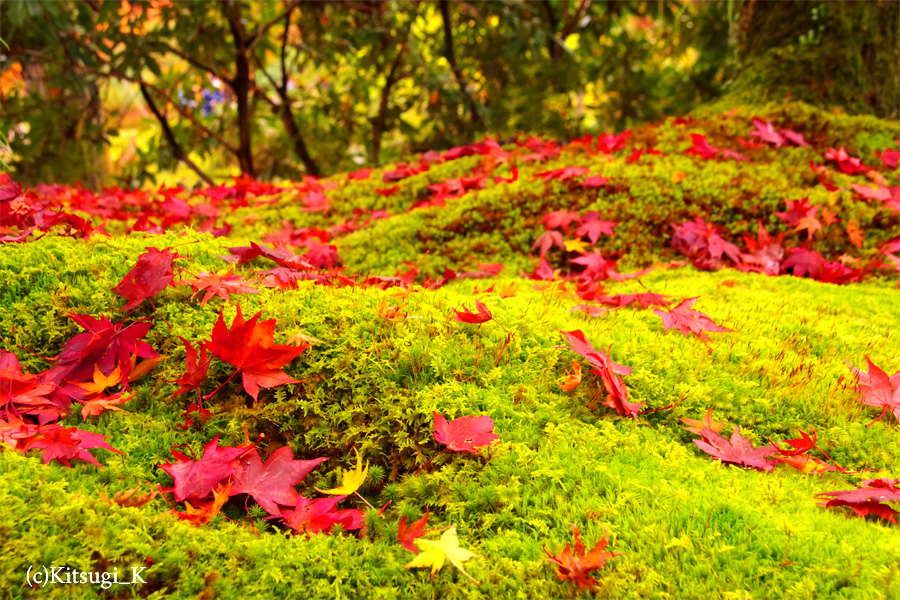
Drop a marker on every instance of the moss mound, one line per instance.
(690, 526)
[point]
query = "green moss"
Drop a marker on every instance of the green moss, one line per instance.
(691, 526)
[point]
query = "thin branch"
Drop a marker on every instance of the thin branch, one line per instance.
(380, 121)
(190, 59)
(177, 150)
(451, 60)
(266, 26)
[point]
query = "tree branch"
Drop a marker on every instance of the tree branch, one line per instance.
(451, 60)
(203, 67)
(379, 123)
(266, 26)
(177, 150)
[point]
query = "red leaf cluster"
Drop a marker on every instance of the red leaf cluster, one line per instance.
(575, 564)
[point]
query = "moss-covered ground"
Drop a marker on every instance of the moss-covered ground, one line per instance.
(689, 525)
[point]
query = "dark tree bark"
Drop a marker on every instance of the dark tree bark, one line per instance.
(451, 60)
(241, 85)
(826, 53)
(380, 121)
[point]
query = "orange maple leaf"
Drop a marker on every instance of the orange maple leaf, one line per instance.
(572, 380)
(574, 564)
(705, 423)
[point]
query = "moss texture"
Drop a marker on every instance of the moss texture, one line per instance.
(691, 526)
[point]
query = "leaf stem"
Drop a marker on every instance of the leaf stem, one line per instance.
(210, 395)
(429, 461)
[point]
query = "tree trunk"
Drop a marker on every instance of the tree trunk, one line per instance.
(241, 85)
(826, 53)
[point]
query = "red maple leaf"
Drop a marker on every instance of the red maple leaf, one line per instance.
(105, 345)
(563, 174)
(151, 274)
(593, 227)
(464, 434)
(765, 131)
(889, 158)
(280, 253)
(616, 392)
(644, 300)
(850, 165)
(560, 218)
(466, 316)
(867, 499)
(687, 320)
(765, 253)
(878, 389)
(701, 147)
(595, 264)
(317, 516)
(23, 394)
(407, 535)
(803, 261)
(702, 242)
(865, 192)
(547, 240)
(360, 175)
(739, 451)
(272, 484)
(795, 138)
(598, 358)
(250, 347)
(217, 285)
(195, 371)
(387, 192)
(198, 478)
(609, 143)
(62, 444)
(574, 565)
(797, 210)
(594, 181)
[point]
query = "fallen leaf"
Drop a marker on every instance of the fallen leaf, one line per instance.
(878, 389)
(572, 380)
(351, 479)
(151, 274)
(739, 451)
(465, 316)
(435, 552)
(868, 499)
(198, 478)
(705, 423)
(250, 347)
(464, 434)
(272, 484)
(407, 535)
(129, 498)
(574, 565)
(687, 320)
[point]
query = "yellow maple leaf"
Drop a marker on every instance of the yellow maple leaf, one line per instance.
(101, 381)
(576, 246)
(352, 479)
(434, 552)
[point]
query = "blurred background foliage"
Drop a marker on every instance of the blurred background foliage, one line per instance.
(141, 93)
